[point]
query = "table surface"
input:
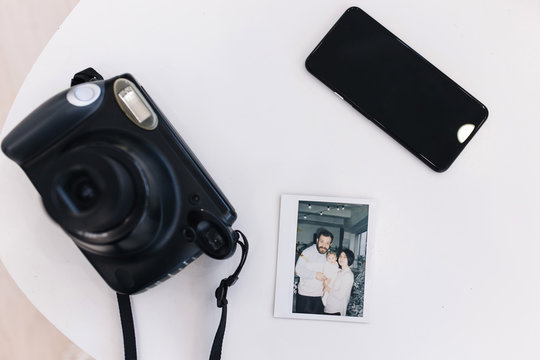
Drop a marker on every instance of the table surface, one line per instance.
(455, 260)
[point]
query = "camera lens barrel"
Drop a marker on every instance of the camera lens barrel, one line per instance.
(90, 192)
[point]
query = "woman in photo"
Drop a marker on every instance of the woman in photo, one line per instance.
(340, 291)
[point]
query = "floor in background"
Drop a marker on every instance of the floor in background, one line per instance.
(25, 28)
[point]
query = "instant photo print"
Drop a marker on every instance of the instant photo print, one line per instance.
(323, 258)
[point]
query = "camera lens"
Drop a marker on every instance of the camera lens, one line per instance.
(80, 192)
(86, 192)
(91, 192)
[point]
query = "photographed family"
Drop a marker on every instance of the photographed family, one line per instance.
(326, 279)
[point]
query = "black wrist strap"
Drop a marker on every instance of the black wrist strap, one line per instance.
(128, 330)
(221, 296)
(126, 316)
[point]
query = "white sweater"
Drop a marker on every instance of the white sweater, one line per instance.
(308, 265)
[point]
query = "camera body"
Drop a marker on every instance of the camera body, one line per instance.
(118, 179)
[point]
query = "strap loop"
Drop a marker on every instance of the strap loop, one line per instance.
(86, 75)
(221, 294)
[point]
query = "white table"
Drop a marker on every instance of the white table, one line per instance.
(456, 260)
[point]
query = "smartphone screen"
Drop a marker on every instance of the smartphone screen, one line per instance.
(395, 87)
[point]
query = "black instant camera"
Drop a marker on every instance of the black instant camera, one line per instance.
(118, 179)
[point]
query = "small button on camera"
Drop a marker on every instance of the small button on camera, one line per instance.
(83, 95)
(194, 199)
(189, 233)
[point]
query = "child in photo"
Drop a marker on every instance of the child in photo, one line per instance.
(330, 270)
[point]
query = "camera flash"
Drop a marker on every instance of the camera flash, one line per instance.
(134, 104)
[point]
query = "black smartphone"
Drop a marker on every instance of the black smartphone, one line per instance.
(396, 88)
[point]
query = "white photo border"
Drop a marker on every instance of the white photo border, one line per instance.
(288, 225)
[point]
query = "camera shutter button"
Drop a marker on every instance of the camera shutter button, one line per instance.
(83, 94)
